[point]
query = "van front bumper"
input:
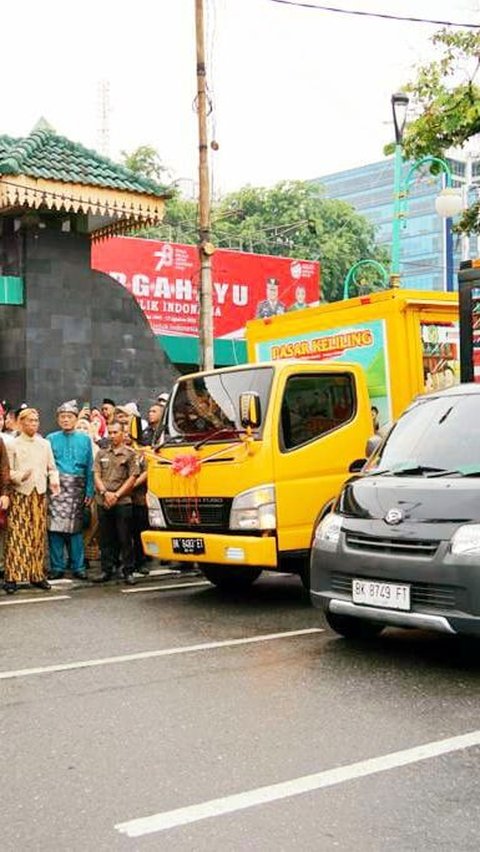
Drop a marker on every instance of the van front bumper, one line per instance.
(445, 590)
(219, 549)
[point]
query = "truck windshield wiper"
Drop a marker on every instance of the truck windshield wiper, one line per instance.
(232, 430)
(173, 439)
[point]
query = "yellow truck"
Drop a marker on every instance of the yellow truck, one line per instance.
(253, 456)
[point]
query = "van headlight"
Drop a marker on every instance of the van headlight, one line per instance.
(466, 540)
(254, 509)
(328, 530)
(156, 518)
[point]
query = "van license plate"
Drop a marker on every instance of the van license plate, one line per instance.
(385, 595)
(188, 546)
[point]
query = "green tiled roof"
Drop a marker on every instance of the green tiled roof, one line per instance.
(43, 154)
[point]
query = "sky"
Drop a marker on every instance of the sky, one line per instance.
(296, 93)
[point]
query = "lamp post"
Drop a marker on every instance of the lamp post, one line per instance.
(399, 109)
(447, 204)
(350, 277)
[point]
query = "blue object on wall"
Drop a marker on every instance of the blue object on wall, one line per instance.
(11, 290)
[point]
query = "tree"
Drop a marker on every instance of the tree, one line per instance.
(446, 99)
(180, 220)
(292, 219)
(146, 161)
(295, 219)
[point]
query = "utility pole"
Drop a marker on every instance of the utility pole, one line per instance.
(205, 247)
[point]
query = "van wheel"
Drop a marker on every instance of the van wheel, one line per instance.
(353, 628)
(231, 578)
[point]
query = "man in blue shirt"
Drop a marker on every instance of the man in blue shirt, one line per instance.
(73, 455)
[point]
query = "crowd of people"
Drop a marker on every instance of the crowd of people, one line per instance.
(76, 495)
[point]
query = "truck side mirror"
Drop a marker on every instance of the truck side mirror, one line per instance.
(250, 410)
(373, 442)
(357, 466)
(135, 429)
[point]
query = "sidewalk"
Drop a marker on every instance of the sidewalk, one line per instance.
(70, 584)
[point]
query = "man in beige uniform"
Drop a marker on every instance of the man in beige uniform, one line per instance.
(116, 469)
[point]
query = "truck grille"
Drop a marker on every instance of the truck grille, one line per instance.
(197, 513)
(422, 594)
(398, 547)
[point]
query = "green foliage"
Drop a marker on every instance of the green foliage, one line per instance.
(295, 219)
(292, 219)
(146, 161)
(180, 223)
(446, 99)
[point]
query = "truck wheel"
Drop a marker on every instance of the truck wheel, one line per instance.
(231, 578)
(351, 627)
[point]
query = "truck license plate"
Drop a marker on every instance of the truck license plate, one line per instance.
(385, 595)
(188, 546)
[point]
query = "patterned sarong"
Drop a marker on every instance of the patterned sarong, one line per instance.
(65, 512)
(25, 544)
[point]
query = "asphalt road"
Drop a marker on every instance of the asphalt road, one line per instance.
(173, 718)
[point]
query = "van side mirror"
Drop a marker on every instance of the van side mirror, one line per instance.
(357, 466)
(250, 410)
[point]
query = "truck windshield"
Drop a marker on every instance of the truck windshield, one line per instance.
(210, 403)
(438, 435)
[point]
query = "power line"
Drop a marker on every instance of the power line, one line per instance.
(383, 15)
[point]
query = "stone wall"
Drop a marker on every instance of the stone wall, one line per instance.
(80, 334)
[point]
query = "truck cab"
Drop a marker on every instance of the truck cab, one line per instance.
(251, 458)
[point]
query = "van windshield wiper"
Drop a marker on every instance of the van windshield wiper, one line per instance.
(422, 470)
(460, 473)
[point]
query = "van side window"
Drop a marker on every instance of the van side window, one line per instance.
(314, 405)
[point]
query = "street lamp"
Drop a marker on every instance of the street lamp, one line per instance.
(448, 203)
(399, 110)
(351, 276)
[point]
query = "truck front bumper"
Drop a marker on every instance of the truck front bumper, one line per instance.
(219, 549)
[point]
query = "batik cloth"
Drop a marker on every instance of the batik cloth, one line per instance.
(65, 512)
(25, 544)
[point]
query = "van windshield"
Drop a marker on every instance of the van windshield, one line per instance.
(436, 435)
(209, 404)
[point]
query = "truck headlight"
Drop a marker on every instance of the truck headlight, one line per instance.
(328, 530)
(466, 540)
(156, 518)
(254, 509)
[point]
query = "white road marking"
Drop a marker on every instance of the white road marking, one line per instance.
(42, 599)
(164, 587)
(294, 787)
(148, 655)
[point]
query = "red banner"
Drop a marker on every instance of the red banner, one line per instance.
(164, 279)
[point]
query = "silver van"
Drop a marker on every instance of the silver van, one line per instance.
(402, 544)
